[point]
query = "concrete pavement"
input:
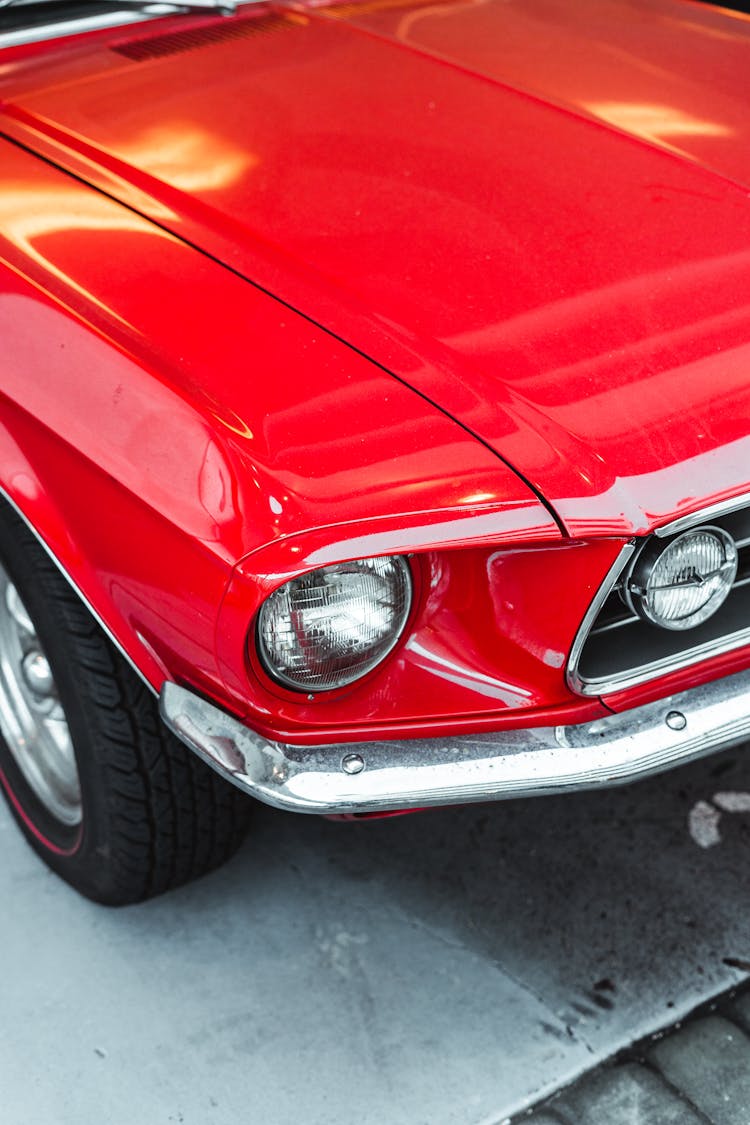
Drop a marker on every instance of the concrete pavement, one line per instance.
(449, 967)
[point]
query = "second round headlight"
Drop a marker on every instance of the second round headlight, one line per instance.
(328, 628)
(684, 582)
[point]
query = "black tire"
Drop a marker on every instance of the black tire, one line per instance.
(152, 815)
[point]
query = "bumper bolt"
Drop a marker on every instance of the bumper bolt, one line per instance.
(352, 763)
(675, 720)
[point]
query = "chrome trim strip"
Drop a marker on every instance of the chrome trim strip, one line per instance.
(642, 673)
(621, 623)
(412, 773)
(713, 511)
(100, 622)
(79, 26)
(575, 683)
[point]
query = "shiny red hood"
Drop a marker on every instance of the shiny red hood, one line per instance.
(536, 213)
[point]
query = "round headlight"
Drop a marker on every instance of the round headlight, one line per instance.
(333, 625)
(680, 585)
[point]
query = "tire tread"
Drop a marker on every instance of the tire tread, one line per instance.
(171, 817)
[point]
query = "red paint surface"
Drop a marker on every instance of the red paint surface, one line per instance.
(536, 217)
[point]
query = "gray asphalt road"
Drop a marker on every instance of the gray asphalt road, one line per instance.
(446, 967)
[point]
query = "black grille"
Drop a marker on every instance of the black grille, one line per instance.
(209, 35)
(622, 648)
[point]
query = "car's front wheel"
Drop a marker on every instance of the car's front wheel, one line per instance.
(102, 791)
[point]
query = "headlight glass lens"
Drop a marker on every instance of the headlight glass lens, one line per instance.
(333, 625)
(687, 581)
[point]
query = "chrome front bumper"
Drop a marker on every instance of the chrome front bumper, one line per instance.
(410, 773)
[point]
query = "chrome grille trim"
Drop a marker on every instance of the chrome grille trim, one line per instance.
(689, 656)
(643, 673)
(575, 683)
(713, 511)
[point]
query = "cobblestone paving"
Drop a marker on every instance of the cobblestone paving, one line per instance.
(697, 1072)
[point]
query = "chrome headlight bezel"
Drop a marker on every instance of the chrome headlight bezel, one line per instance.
(642, 591)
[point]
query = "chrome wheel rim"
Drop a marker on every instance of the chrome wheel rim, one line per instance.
(32, 718)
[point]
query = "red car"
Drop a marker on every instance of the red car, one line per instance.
(375, 405)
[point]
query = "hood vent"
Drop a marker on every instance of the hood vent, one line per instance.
(210, 35)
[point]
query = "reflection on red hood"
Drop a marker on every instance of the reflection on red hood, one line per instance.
(534, 212)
